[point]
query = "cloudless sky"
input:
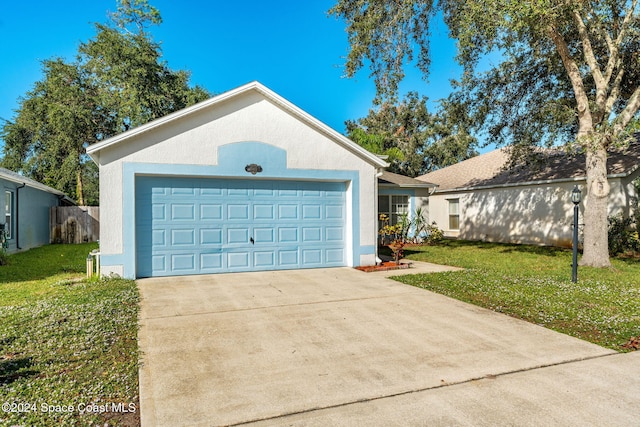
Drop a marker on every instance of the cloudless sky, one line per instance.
(292, 47)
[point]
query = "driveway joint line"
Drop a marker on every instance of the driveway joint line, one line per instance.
(274, 306)
(420, 390)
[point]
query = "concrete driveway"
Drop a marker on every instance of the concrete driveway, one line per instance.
(342, 347)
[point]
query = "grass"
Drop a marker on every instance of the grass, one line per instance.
(534, 283)
(68, 347)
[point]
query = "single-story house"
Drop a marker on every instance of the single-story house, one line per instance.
(401, 195)
(483, 199)
(243, 181)
(26, 211)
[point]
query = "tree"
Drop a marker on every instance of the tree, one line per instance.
(416, 141)
(116, 82)
(567, 72)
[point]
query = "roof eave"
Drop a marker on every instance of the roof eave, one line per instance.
(33, 184)
(407, 185)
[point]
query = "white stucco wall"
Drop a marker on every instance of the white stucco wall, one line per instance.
(534, 214)
(195, 139)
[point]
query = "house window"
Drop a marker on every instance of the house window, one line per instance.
(394, 207)
(8, 214)
(454, 214)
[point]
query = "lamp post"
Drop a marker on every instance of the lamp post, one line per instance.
(576, 196)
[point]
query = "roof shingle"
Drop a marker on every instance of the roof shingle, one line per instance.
(491, 169)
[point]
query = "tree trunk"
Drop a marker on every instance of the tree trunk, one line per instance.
(596, 240)
(79, 188)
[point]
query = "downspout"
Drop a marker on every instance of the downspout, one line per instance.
(379, 173)
(18, 216)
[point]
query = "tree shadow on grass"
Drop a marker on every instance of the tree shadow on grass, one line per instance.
(15, 368)
(550, 251)
(12, 366)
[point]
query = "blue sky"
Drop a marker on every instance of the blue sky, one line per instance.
(292, 47)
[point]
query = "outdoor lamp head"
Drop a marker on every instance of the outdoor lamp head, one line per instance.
(576, 195)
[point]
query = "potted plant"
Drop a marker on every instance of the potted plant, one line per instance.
(394, 236)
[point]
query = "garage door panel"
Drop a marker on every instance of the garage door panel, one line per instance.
(237, 236)
(192, 226)
(211, 212)
(334, 212)
(183, 263)
(182, 212)
(238, 260)
(264, 236)
(288, 193)
(287, 211)
(237, 212)
(159, 263)
(211, 262)
(311, 257)
(263, 212)
(287, 235)
(334, 255)
(311, 212)
(311, 234)
(185, 237)
(288, 258)
(264, 259)
(334, 234)
(211, 236)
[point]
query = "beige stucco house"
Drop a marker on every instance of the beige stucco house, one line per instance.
(479, 199)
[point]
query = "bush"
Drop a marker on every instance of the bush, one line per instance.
(433, 234)
(4, 257)
(623, 235)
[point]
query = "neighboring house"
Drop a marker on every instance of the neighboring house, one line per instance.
(243, 181)
(26, 205)
(400, 195)
(479, 199)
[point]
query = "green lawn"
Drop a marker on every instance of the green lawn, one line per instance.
(534, 283)
(68, 347)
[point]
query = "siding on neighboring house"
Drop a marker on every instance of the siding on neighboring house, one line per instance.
(27, 210)
(528, 204)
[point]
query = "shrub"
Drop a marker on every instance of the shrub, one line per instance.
(4, 257)
(433, 234)
(623, 235)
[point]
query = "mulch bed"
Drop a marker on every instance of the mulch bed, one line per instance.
(385, 266)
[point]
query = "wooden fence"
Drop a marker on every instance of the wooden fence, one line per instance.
(74, 224)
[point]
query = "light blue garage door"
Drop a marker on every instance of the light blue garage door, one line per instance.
(199, 226)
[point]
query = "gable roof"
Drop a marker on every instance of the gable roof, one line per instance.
(395, 180)
(255, 86)
(12, 176)
(547, 165)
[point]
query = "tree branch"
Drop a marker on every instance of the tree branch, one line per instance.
(590, 57)
(614, 51)
(627, 114)
(614, 93)
(582, 99)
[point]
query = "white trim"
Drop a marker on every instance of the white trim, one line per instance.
(371, 158)
(30, 183)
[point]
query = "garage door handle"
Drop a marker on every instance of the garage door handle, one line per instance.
(253, 242)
